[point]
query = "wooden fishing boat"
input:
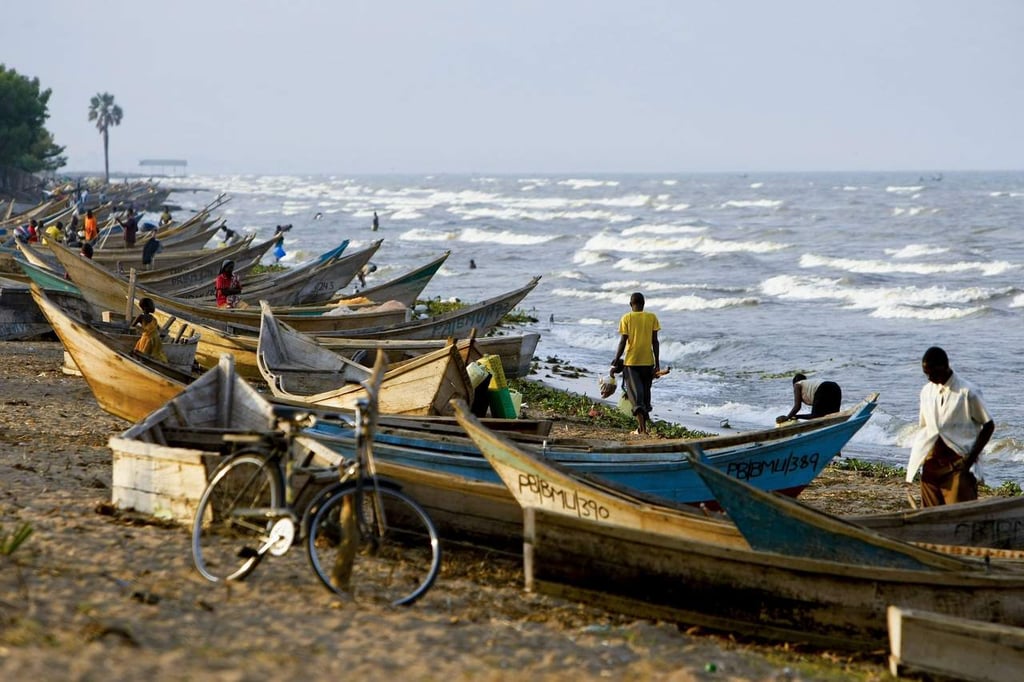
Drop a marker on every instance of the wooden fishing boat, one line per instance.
(106, 291)
(953, 648)
(405, 288)
(772, 523)
(182, 238)
(447, 473)
(599, 545)
(161, 461)
(478, 319)
(990, 522)
(516, 351)
(20, 317)
(206, 290)
(123, 385)
(312, 284)
(296, 368)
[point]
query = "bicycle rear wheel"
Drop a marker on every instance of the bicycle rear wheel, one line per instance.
(225, 540)
(391, 558)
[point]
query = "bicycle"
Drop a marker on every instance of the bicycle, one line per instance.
(364, 538)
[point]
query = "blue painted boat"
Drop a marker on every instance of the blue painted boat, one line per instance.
(783, 459)
(772, 523)
(603, 546)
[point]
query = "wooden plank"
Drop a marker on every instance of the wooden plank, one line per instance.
(959, 648)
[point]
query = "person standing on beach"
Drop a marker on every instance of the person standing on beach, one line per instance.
(824, 397)
(130, 226)
(89, 226)
(955, 428)
(376, 222)
(165, 217)
(638, 339)
(227, 285)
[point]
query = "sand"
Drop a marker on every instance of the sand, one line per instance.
(96, 594)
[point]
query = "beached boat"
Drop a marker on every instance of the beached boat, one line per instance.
(161, 461)
(953, 648)
(297, 369)
(20, 317)
(405, 288)
(106, 291)
(990, 522)
(123, 384)
(772, 523)
(477, 319)
(515, 350)
(600, 545)
(448, 474)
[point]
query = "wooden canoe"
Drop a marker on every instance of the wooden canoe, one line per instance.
(990, 522)
(297, 369)
(953, 648)
(447, 473)
(161, 461)
(106, 291)
(478, 319)
(20, 317)
(598, 545)
(120, 382)
(405, 288)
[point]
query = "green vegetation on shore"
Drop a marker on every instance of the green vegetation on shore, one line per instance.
(583, 408)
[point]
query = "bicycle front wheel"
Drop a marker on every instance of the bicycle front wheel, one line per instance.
(386, 552)
(228, 531)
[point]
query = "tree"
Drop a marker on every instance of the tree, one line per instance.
(103, 110)
(25, 143)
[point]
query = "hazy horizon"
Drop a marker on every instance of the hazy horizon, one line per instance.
(463, 87)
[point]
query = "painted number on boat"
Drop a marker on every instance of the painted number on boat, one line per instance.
(566, 500)
(746, 471)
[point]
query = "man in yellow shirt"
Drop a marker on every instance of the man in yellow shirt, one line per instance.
(638, 339)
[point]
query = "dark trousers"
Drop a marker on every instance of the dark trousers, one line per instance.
(945, 479)
(827, 399)
(638, 386)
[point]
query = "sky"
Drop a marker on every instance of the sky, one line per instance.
(543, 86)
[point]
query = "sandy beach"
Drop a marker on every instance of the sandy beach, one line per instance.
(99, 594)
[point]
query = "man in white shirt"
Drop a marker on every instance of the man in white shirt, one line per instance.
(955, 428)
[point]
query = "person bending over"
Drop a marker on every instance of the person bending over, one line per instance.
(823, 397)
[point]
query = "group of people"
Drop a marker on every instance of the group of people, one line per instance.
(955, 424)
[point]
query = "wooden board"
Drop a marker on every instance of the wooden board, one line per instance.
(958, 648)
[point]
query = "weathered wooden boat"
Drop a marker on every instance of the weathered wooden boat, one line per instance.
(478, 319)
(182, 238)
(310, 283)
(461, 323)
(405, 288)
(772, 523)
(515, 350)
(106, 291)
(953, 648)
(124, 385)
(447, 473)
(996, 522)
(599, 545)
(296, 368)
(204, 289)
(161, 461)
(20, 317)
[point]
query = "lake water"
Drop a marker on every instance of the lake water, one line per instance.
(847, 276)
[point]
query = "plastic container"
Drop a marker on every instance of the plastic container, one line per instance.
(477, 374)
(493, 365)
(501, 404)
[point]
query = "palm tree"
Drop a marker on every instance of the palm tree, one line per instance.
(103, 110)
